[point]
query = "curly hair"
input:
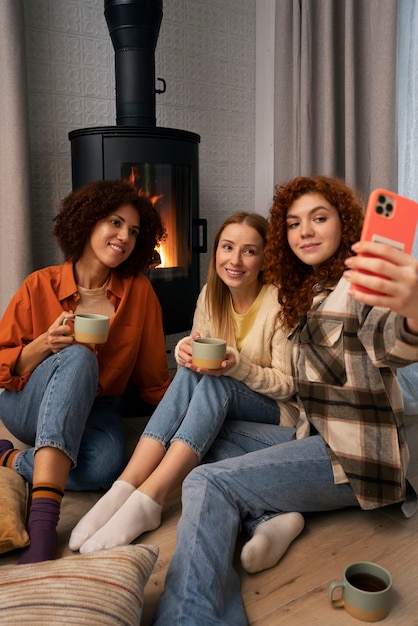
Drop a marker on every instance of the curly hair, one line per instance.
(83, 208)
(217, 293)
(293, 278)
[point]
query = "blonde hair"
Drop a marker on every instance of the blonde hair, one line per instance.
(217, 293)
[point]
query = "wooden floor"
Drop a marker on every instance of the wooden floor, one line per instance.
(295, 591)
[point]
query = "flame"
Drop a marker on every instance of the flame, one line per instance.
(154, 199)
(167, 249)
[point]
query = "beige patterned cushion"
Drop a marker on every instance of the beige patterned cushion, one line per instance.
(105, 588)
(13, 503)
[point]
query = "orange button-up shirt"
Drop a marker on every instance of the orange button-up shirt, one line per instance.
(135, 348)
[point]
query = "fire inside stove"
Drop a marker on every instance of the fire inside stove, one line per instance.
(166, 186)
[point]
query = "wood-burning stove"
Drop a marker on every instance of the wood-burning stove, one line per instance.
(161, 162)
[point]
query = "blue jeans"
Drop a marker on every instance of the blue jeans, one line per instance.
(195, 407)
(280, 475)
(58, 408)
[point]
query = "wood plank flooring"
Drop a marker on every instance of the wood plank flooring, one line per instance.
(295, 591)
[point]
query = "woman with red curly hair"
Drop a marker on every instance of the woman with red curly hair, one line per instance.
(294, 275)
(58, 395)
(348, 447)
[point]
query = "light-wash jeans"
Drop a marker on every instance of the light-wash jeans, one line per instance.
(195, 407)
(58, 407)
(277, 474)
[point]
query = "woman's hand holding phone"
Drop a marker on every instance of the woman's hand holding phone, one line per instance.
(387, 277)
(390, 219)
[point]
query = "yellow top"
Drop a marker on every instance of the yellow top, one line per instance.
(243, 322)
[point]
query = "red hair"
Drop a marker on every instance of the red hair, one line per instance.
(293, 278)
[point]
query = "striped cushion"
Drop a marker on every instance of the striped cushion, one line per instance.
(103, 588)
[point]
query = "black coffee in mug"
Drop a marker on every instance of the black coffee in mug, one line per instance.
(367, 582)
(365, 591)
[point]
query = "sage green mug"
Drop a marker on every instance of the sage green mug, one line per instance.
(208, 352)
(90, 327)
(366, 591)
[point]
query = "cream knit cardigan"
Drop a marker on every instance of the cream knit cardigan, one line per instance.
(264, 362)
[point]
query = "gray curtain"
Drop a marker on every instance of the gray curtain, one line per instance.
(15, 247)
(408, 148)
(335, 91)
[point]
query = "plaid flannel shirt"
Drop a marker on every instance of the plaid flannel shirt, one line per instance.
(345, 356)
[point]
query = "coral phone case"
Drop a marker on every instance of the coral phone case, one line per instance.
(391, 219)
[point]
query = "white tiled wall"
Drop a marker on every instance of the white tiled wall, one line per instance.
(205, 53)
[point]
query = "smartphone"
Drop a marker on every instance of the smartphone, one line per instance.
(391, 219)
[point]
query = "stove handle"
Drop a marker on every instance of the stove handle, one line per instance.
(202, 235)
(164, 86)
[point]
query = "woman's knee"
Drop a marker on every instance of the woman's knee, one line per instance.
(82, 357)
(80, 368)
(186, 374)
(200, 477)
(196, 476)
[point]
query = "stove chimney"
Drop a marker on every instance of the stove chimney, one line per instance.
(163, 161)
(134, 27)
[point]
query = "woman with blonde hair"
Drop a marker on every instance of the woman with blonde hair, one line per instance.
(254, 383)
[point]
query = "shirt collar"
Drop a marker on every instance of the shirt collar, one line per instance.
(67, 287)
(115, 285)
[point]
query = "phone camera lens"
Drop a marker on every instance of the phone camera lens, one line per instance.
(389, 207)
(382, 199)
(379, 209)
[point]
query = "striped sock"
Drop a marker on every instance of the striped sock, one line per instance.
(43, 519)
(8, 453)
(47, 490)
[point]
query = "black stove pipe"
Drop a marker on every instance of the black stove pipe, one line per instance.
(134, 26)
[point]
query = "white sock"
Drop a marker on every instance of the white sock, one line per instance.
(270, 541)
(100, 513)
(137, 515)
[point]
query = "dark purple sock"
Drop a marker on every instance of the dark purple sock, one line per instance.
(43, 519)
(5, 446)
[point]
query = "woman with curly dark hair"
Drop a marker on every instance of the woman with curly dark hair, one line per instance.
(59, 395)
(82, 209)
(348, 448)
